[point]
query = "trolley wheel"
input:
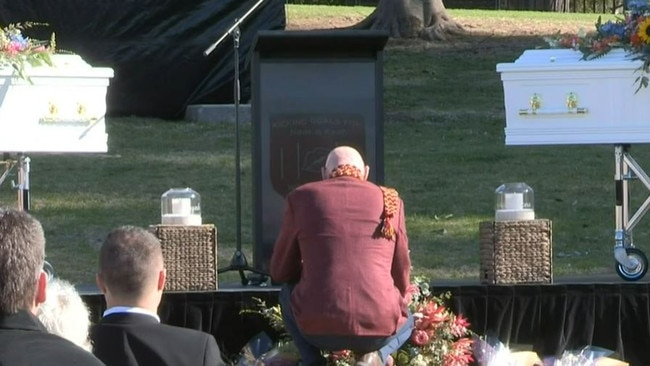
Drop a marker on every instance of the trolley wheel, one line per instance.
(641, 265)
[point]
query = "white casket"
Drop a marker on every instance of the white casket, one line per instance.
(553, 97)
(61, 110)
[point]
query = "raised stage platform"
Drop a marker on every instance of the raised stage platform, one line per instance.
(573, 312)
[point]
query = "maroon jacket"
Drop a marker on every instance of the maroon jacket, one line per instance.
(347, 281)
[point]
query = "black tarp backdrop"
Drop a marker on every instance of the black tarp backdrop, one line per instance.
(155, 47)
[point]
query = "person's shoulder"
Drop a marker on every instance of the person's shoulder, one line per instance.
(59, 350)
(310, 185)
(306, 188)
(184, 332)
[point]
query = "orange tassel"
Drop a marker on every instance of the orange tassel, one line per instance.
(390, 209)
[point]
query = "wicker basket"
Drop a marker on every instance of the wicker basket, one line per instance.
(190, 254)
(516, 252)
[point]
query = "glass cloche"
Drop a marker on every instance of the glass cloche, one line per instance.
(180, 206)
(514, 202)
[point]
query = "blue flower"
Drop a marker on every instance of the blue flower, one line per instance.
(637, 6)
(18, 38)
(612, 29)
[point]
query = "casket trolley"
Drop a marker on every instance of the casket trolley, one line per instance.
(553, 97)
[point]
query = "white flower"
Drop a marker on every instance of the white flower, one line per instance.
(419, 360)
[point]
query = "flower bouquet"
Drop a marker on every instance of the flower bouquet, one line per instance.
(491, 352)
(18, 51)
(630, 33)
(440, 337)
(587, 356)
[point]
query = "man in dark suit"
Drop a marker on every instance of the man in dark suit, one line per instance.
(132, 277)
(342, 254)
(23, 338)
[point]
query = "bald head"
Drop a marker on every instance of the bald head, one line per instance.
(344, 155)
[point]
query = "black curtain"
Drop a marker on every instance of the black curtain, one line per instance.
(155, 47)
(547, 318)
(555, 318)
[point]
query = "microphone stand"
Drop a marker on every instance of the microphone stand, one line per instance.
(238, 262)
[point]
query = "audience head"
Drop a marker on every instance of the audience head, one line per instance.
(131, 268)
(22, 252)
(65, 314)
(344, 155)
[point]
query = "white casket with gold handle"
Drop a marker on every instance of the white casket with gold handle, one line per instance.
(61, 108)
(553, 97)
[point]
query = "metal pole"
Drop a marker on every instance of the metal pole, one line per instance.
(622, 237)
(232, 28)
(236, 95)
(238, 262)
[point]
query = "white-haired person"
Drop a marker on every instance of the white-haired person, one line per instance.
(65, 314)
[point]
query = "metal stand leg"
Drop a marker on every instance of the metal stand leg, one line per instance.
(24, 202)
(22, 165)
(7, 165)
(632, 264)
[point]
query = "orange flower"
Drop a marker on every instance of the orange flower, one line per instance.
(460, 325)
(437, 313)
(460, 353)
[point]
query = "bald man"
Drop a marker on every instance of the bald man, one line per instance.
(342, 257)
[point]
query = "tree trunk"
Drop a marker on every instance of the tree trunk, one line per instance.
(427, 19)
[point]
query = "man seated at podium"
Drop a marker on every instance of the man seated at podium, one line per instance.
(132, 278)
(343, 259)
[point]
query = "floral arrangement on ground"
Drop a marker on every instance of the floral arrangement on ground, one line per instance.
(440, 337)
(630, 32)
(18, 51)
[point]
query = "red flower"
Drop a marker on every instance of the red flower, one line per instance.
(13, 48)
(569, 41)
(339, 355)
(419, 337)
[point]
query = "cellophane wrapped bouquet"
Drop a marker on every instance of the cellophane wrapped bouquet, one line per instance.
(490, 352)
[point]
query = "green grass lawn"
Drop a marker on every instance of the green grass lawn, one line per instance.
(323, 12)
(444, 152)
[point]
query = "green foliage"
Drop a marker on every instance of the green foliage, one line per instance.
(272, 314)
